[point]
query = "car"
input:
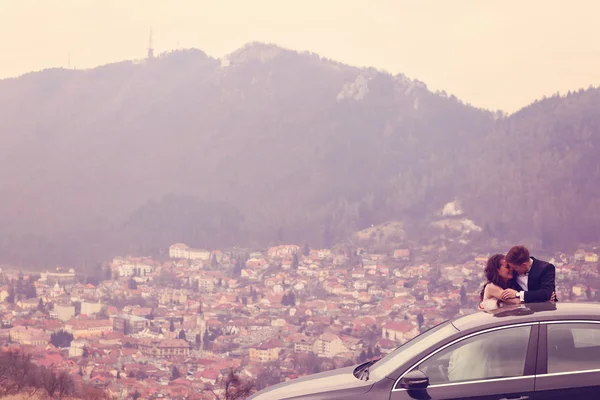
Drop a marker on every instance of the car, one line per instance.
(530, 351)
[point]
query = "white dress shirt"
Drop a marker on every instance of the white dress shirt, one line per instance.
(523, 281)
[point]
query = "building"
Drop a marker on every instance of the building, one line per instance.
(88, 308)
(580, 255)
(170, 296)
(328, 345)
(76, 349)
(591, 257)
(80, 289)
(266, 352)
(60, 277)
(206, 285)
(579, 289)
(402, 254)
(29, 304)
(399, 331)
(164, 348)
(86, 328)
(128, 323)
(63, 312)
(181, 250)
(198, 254)
(31, 336)
(303, 346)
(128, 269)
(283, 251)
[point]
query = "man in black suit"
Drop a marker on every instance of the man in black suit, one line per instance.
(536, 278)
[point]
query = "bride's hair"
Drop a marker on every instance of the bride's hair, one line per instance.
(491, 272)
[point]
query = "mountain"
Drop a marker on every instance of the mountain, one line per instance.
(537, 175)
(270, 145)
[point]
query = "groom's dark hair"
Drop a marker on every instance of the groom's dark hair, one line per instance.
(517, 255)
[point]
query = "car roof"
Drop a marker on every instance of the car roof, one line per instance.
(530, 312)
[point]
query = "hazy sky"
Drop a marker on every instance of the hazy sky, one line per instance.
(494, 54)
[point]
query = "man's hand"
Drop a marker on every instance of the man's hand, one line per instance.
(509, 294)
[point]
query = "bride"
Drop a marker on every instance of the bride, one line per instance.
(499, 276)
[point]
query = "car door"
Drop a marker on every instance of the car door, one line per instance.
(492, 364)
(568, 364)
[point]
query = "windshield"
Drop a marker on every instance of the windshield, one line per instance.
(410, 349)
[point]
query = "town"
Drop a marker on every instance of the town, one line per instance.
(181, 326)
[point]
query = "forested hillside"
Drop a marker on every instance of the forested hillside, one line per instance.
(271, 146)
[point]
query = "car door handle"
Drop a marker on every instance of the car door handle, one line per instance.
(515, 398)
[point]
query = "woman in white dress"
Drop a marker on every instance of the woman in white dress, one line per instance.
(499, 276)
(478, 352)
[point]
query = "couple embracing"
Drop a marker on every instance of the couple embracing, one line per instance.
(517, 278)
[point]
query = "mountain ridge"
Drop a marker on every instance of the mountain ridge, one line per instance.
(292, 145)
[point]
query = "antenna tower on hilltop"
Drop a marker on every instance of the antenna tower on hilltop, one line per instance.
(150, 48)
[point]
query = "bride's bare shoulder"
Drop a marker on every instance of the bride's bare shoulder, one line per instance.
(492, 290)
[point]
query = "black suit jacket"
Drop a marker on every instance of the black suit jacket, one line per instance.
(541, 282)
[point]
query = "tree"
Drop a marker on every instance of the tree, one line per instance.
(61, 339)
(213, 261)
(181, 334)
(136, 395)
(362, 357)
(86, 352)
(237, 268)
(106, 273)
(369, 353)
(305, 249)
(29, 289)
(41, 305)
(132, 284)
(377, 352)
(463, 296)
(65, 385)
(206, 340)
(233, 387)
(292, 299)
(175, 373)
(420, 320)
(10, 299)
(295, 261)
(77, 306)
(172, 326)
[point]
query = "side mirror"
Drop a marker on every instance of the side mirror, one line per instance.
(415, 379)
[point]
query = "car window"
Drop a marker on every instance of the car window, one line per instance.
(496, 354)
(411, 349)
(573, 347)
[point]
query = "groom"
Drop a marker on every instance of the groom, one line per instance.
(536, 278)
